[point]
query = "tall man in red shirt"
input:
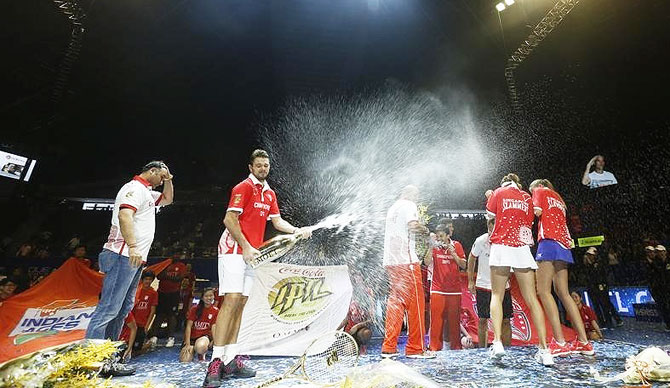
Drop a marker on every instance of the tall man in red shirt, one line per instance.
(404, 271)
(445, 290)
(252, 203)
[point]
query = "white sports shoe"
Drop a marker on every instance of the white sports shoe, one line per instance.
(390, 355)
(544, 357)
(496, 351)
(170, 342)
(425, 354)
(152, 342)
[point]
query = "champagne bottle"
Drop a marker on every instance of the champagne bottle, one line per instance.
(275, 248)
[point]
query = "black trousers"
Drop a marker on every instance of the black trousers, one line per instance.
(600, 301)
(660, 295)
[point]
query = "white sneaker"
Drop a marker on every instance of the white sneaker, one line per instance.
(152, 342)
(170, 342)
(390, 355)
(425, 354)
(496, 351)
(544, 357)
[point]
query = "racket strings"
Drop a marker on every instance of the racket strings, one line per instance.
(330, 358)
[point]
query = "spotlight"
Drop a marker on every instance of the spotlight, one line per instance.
(500, 7)
(509, 2)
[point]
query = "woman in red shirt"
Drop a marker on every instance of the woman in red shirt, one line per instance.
(200, 323)
(445, 290)
(510, 248)
(553, 257)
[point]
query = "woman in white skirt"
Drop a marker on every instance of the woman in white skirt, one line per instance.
(510, 249)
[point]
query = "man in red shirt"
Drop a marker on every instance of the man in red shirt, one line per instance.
(128, 335)
(252, 203)
(144, 309)
(445, 290)
(169, 297)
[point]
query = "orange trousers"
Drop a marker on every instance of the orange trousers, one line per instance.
(445, 308)
(406, 295)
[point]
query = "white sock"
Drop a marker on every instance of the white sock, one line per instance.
(218, 352)
(561, 343)
(229, 353)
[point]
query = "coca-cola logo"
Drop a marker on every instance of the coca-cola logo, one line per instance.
(307, 272)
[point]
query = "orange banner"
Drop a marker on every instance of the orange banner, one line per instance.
(55, 311)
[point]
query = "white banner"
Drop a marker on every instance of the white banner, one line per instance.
(291, 305)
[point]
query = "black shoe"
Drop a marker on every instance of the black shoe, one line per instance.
(213, 378)
(236, 369)
(619, 323)
(115, 369)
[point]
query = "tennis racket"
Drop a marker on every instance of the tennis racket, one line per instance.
(325, 361)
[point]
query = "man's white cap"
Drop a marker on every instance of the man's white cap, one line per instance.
(592, 251)
(660, 247)
(650, 248)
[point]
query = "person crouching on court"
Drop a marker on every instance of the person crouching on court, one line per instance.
(200, 324)
(445, 290)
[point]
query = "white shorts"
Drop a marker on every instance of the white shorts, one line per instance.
(235, 276)
(515, 257)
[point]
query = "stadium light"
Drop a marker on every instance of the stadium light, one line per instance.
(500, 7)
(509, 2)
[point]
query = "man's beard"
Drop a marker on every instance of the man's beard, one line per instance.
(261, 177)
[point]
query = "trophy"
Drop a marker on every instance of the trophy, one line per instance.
(423, 243)
(275, 248)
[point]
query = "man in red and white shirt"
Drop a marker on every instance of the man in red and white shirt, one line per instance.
(404, 271)
(445, 290)
(252, 203)
(127, 247)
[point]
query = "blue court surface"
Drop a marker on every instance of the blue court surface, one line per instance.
(466, 368)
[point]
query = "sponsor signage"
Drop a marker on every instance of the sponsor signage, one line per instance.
(15, 166)
(623, 299)
(290, 305)
(590, 241)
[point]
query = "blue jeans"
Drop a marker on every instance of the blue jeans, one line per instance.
(117, 297)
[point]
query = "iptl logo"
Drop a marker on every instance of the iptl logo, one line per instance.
(303, 290)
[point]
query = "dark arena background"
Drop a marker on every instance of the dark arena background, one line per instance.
(353, 100)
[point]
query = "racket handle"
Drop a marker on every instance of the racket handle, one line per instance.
(269, 382)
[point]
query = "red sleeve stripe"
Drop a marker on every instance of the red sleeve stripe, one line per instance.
(126, 206)
(160, 198)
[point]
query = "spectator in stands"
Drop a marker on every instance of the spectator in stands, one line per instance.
(598, 177)
(144, 310)
(21, 279)
(658, 272)
(169, 296)
(7, 288)
(25, 250)
(589, 318)
(79, 254)
(598, 289)
(200, 323)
